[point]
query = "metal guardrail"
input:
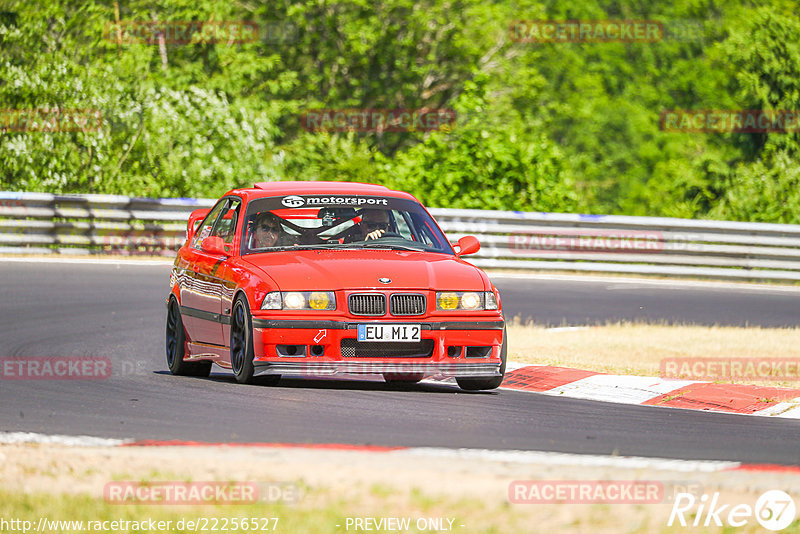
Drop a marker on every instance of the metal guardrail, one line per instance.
(41, 223)
(38, 223)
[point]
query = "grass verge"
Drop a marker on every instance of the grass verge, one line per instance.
(638, 349)
(48, 485)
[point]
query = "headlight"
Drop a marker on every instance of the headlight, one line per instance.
(465, 300)
(294, 300)
(446, 301)
(320, 300)
(471, 301)
(299, 300)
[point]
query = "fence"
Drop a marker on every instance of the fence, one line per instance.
(37, 223)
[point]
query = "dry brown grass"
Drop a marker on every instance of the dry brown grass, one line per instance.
(67, 483)
(637, 349)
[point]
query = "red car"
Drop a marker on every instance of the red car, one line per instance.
(326, 278)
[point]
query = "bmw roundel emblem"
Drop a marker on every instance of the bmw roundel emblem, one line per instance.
(293, 201)
(385, 280)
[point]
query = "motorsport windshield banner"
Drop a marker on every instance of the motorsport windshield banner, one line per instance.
(333, 201)
(294, 201)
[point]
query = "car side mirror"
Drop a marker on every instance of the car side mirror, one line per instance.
(214, 245)
(195, 218)
(468, 244)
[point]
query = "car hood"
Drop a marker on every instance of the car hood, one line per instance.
(360, 269)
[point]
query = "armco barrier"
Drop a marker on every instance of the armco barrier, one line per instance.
(41, 223)
(38, 223)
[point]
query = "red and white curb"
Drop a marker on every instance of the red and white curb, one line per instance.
(653, 391)
(503, 456)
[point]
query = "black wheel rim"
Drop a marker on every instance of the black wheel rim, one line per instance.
(173, 323)
(238, 338)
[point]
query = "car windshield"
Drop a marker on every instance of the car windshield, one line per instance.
(299, 222)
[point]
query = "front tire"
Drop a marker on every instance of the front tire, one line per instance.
(242, 354)
(176, 345)
(477, 384)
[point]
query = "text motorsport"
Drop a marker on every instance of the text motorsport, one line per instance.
(586, 31)
(377, 120)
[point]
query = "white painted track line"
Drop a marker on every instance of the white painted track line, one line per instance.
(504, 456)
(13, 438)
(582, 460)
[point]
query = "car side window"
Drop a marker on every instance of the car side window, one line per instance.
(423, 231)
(402, 225)
(225, 226)
(208, 223)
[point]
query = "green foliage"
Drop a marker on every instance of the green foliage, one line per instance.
(331, 157)
(764, 54)
(156, 140)
(191, 143)
(544, 127)
(764, 191)
(486, 162)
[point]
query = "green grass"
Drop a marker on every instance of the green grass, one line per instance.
(324, 514)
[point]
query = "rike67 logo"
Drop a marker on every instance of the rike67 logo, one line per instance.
(774, 510)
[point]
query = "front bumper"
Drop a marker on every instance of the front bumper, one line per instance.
(364, 368)
(318, 348)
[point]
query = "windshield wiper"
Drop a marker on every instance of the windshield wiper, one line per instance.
(354, 246)
(390, 246)
(306, 247)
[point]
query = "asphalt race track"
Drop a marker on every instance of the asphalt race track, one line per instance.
(117, 311)
(581, 301)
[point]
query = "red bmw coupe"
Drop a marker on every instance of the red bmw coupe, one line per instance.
(326, 278)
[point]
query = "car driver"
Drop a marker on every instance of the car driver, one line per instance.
(374, 223)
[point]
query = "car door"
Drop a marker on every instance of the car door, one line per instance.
(227, 228)
(202, 299)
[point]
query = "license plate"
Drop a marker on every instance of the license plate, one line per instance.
(388, 332)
